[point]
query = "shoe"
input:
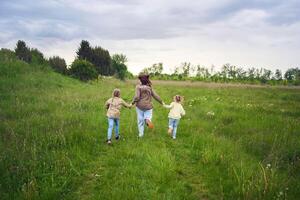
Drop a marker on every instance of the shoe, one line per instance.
(170, 131)
(108, 141)
(149, 123)
(117, 137)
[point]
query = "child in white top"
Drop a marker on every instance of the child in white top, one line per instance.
(175, 114)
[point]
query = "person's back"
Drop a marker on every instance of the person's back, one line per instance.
(176, 110)
(114, 106)
(143, 97)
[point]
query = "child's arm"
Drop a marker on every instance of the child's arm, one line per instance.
(126, 104)
(168, 106)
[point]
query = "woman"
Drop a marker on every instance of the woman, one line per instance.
(143, 100)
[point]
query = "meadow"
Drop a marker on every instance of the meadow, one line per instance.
(234, 142)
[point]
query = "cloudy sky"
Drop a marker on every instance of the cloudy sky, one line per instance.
(253, 33)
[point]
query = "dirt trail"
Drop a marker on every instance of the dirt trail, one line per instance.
(214, 85)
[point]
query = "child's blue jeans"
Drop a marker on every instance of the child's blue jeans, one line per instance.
(111, 122)
(173, 123)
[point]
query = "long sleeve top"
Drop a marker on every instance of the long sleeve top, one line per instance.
(143, 97)
(114, 106)
(176, 110)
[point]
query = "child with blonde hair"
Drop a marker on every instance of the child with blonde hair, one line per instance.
(113, 106)
(175, 114)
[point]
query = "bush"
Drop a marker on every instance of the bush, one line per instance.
(23, 52)
(7, 55)
(58, 64)
(83, 70)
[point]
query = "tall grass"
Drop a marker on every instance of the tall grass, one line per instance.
(53, 130)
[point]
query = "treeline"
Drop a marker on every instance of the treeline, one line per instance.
(227, 73)
(90, 62)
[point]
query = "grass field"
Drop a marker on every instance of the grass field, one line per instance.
(53, 131)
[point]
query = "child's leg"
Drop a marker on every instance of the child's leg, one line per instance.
(170, 130)
(110, 128)
(175, 125)
(141, 121)
(117, 125)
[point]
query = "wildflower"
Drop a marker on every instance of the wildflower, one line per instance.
(268, 166)
(210, 113)
(280, 193)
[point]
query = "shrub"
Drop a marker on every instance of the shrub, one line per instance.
(58, 64)
(83, 70)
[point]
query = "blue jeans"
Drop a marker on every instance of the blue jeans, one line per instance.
(111, 122)
(173, 123)
(142, 115)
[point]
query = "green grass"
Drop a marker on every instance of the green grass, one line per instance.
(53, 131)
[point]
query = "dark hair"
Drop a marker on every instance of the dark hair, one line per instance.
(144, 78)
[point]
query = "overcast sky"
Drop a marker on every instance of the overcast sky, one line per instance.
(257, 33)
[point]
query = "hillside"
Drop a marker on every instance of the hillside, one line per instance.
(53, 131)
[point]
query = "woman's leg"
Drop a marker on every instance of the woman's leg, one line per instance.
(148, 118)
(117, 126)
(110, 128)
(140, 121)
(175, 125)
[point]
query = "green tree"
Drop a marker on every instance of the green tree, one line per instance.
(37, 56)
(155, 70)
(202, 72)
(293, 74)
(186, 67)
(23, 52)
(118, 63)
(84, 51)
(251, 74)
(83, 70)
(278, 75)
(58, 64)
(102, 61)
(98, 56)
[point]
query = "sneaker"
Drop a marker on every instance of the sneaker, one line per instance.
(108, 141)
(117, 137)
(170, 131)
(149, 123)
